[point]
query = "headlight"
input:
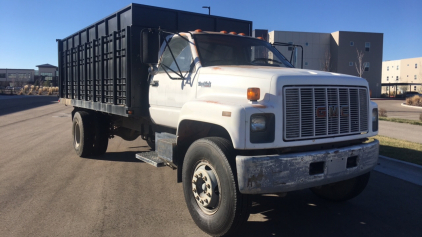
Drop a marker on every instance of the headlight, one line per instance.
(257, 123)
(375, 120)
(262, 128)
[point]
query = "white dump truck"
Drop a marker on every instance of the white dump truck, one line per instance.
(227, 110)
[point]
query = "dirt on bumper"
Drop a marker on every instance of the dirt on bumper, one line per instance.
(289, 172)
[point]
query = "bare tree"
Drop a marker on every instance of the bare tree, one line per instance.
(403, 89)
(360, 66)
(325, 64)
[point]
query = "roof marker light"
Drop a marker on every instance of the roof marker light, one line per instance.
(223, 31)
(233, 33)
(198, 30)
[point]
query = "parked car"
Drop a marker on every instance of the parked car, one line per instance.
(411, 94)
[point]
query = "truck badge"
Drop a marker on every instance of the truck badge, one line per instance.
(333, 111)
(204, 84)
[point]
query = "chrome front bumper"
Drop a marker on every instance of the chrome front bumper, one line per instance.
(283, 173)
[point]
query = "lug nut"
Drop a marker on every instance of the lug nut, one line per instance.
(196, 176)
(200, 174)
(194, 190)
(202, 202)
(205, 190)
(208, 194)
(197, 198)
(205, 178)
(193, 181)
(208, 186)
(206, 200)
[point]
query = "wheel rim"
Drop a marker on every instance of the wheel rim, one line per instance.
(206, 188)
(77, 135)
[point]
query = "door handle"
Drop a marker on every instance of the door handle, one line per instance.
(154, 83)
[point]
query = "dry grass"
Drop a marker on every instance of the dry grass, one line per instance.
(400, 120)
(382, 112)
(400, 149)
(40, 91)
(415, 101)
(45, 89)
(50, 91)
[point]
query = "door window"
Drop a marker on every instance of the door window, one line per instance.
(182, 55)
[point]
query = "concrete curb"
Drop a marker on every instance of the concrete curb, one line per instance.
(400, 169)
(411, 106)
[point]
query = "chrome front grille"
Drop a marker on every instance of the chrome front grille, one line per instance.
(324, 111)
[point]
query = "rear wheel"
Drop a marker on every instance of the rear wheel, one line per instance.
(101, 135)
(343, 190)
(210, 187)
(83, 134)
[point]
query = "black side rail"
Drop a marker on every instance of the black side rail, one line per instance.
(294, 48)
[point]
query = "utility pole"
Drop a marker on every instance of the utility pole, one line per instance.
(209, 9)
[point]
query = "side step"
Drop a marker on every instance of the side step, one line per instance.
(150, 158)
(165, 149)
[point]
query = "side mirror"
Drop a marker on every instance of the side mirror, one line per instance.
(150, 46)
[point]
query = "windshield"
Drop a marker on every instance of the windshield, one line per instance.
(215, 50)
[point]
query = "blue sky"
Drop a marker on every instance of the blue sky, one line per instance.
(28, 29)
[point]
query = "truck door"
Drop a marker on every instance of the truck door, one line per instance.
(174, 84)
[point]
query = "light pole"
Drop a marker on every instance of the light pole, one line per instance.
(209, 9)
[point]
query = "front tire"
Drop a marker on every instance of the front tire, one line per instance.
(83, 134)
(343, 190)
(210, 187)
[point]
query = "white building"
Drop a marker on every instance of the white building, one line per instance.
(404, 74)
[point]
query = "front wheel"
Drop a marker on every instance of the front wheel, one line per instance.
(343, 190)
(211, 189)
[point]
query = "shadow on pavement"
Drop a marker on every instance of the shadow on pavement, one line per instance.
(381, 210)
(13, 104)
(124, 156)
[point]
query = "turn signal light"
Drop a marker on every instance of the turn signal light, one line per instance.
(254, 93)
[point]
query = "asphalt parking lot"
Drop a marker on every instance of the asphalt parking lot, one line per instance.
(396, 110)
(47, 190)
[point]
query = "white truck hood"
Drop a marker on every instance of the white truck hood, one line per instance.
(236, 79)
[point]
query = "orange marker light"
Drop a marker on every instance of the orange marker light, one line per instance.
(242, 34)
(260, 38)
(233, 33)
(254, 93)
(223, 31)
(198, 30)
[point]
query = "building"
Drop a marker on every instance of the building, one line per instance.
(402, 75)
(19, 77)
(334, 52)
(16, 77)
